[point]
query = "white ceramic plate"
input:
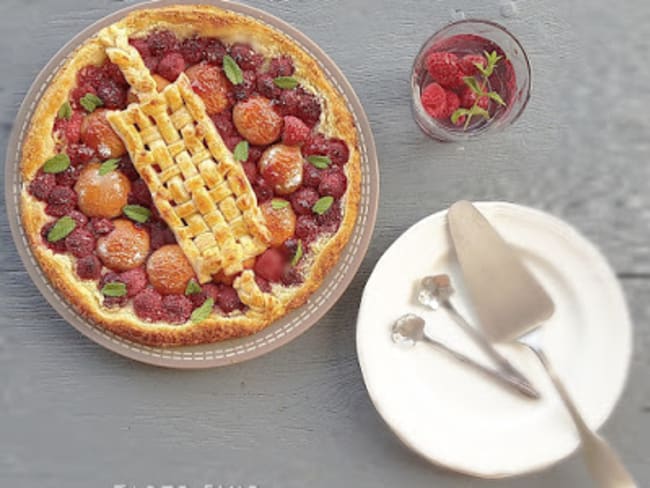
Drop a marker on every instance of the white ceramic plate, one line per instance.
(450, 414)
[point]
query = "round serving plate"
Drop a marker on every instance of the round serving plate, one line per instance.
(281, 331)
(450, 414)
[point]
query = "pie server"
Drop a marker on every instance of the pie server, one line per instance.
(511, 306)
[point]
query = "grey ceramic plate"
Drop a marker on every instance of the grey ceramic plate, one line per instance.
(229, 352)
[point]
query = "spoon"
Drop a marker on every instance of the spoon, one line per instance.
(408, 330)
(435, 293)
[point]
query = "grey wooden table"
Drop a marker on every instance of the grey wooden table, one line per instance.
(74, 415)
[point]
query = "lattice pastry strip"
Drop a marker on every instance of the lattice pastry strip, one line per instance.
(197, 186)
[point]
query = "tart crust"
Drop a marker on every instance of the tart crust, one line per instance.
(263, 308)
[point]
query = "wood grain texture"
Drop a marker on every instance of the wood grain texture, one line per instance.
(74, 415)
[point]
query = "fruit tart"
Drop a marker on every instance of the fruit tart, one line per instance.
(190, 175)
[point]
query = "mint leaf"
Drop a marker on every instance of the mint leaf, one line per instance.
(57, 164)
(496, 97)
(492, 59)
(458, 114)
(90, 102)
(320, 162)
(61, 229)
(323, 205)
(232, 70)
(65, 112)
(114, 289)
(241, 151)
(473, 85)
(203, 312)
(278, 203)
(137, 213)
(192, 288)
(286, 82)
(299, 253)
(108, 166)
(476, 110)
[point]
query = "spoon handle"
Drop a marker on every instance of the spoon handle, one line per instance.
(603, 463)
(499, 375)
(485, 345)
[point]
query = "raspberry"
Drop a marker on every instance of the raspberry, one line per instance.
(453, 103)
(434, 100)
(330, 220)
(176, 308)
(333, 183)
(224, 124)
(246, 58)
(310, 175)
(306, 227)
(113, 95)
(89, 267)
(289, 248)
(444, 69)
(468, 64)
(114, 73)
(80, 243)
(142, 47)
(315, 145)
(291, 276)
(69, 176)
(151, 63)
(78, 93)
(100, 226)
(281, 66)
(160, 235)
(270, 265)
(209, 290)
(301, 104)
(295, 132)
(58, 246)
(214, 51)
(113, 302)
(80, 154)
(338, 151)
(162, 42)
(126, 167)
(147, 305)
(309, 109)
(135, 281)
(72, 129)
(171, 65)
(263, 190)
(263, 284)
(79, 219)
(232, 141)
(227, 299)
(251, 171)
(254, 154)
(91, 75)
(42, 185)
(244, 89)
(267, 87)
(468, 98)
(193, 50)
(303, 200)
(140, 193)
(61, 201)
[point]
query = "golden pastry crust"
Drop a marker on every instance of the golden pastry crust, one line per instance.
(263, 308)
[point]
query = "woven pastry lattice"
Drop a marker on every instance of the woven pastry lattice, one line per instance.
(200, 191)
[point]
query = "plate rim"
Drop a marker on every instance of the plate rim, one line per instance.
(236, 350)
(573, 233)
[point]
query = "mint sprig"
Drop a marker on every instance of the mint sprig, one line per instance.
(480, 90)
